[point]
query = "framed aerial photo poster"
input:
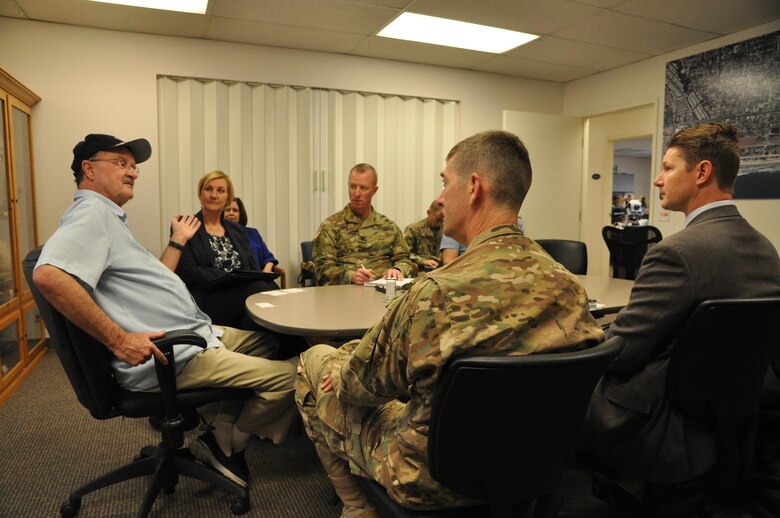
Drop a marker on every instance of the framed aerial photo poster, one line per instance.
(738, 84)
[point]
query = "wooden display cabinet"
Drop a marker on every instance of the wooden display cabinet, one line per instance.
(22, 337)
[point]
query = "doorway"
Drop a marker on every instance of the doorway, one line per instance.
(600, 136)
(631, 177)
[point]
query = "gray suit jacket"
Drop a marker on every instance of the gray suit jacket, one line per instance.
(630, 427)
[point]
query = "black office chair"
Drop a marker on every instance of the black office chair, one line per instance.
(627, 247)
(764, 482)
(715, 376)
(308, 276)
(501, 430)
(573, 255)
(87, 365)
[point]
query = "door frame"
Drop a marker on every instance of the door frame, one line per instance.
(600, 132)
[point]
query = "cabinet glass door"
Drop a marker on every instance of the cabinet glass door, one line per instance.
(6, 257)
(33, 327)
(9, 348)
(25, 209)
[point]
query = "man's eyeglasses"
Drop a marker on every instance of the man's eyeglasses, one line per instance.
(119, 162)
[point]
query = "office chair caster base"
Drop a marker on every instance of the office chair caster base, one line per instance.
(239, 506)
(70, 508)
(145, 453)
(170, 489)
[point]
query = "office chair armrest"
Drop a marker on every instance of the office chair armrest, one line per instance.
(166, 374)
(179, 336)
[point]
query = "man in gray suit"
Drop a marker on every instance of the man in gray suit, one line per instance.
(630, 427)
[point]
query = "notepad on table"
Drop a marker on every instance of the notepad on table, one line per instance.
(594, 305)
(383, 282)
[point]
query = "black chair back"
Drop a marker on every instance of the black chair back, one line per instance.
(573, 255)
(717, 370)
(87, 366)
(307, 274)
(627, 247)
(502, 427)
(306, 250)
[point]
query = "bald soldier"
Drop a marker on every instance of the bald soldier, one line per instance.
(359, 244)
(424, 237)
(366, 406)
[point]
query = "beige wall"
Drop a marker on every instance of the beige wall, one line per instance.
(105, 81)
(643, 82)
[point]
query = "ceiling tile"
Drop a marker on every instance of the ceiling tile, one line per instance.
(576, 53)
(718, 16)
(395, 4)
(623, 31)
(578, 37)
(275, 35)
(10, 9)
(599, 3)
(333, 15)
(533, 69)
(420, 53)
(534, 16)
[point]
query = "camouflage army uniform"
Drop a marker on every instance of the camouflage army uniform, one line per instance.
(344, 242)
(504, 296)
(423, 242)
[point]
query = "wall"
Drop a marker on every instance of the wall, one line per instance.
(641, 169)
(105, 81)
(552, 208)
(643, 82)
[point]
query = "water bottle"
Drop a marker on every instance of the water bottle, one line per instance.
(389, 291)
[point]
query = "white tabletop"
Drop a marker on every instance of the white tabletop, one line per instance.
(349, 311)
(340, 311)
(612, 293)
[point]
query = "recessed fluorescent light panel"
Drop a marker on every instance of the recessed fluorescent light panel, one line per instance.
(452, 33)
(184, 6)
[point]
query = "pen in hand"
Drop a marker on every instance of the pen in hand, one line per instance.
(368, 273)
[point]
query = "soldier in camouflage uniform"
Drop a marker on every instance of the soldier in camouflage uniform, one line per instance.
(359, 244)
(366, 406)
(424, 237)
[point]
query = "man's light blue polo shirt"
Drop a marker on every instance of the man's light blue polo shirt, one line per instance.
(448, 243)
(131, 285)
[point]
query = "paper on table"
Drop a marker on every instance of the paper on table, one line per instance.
(276, 293)
(382, 282)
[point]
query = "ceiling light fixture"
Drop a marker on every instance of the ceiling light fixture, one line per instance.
(184, 6)
(452, 33)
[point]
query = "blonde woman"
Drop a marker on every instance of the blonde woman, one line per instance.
(217, 248)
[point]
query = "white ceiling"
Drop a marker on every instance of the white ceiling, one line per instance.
(578, 37)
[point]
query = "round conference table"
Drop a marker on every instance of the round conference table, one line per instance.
(348, 311)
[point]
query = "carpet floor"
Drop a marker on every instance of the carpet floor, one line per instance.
(50, 445)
